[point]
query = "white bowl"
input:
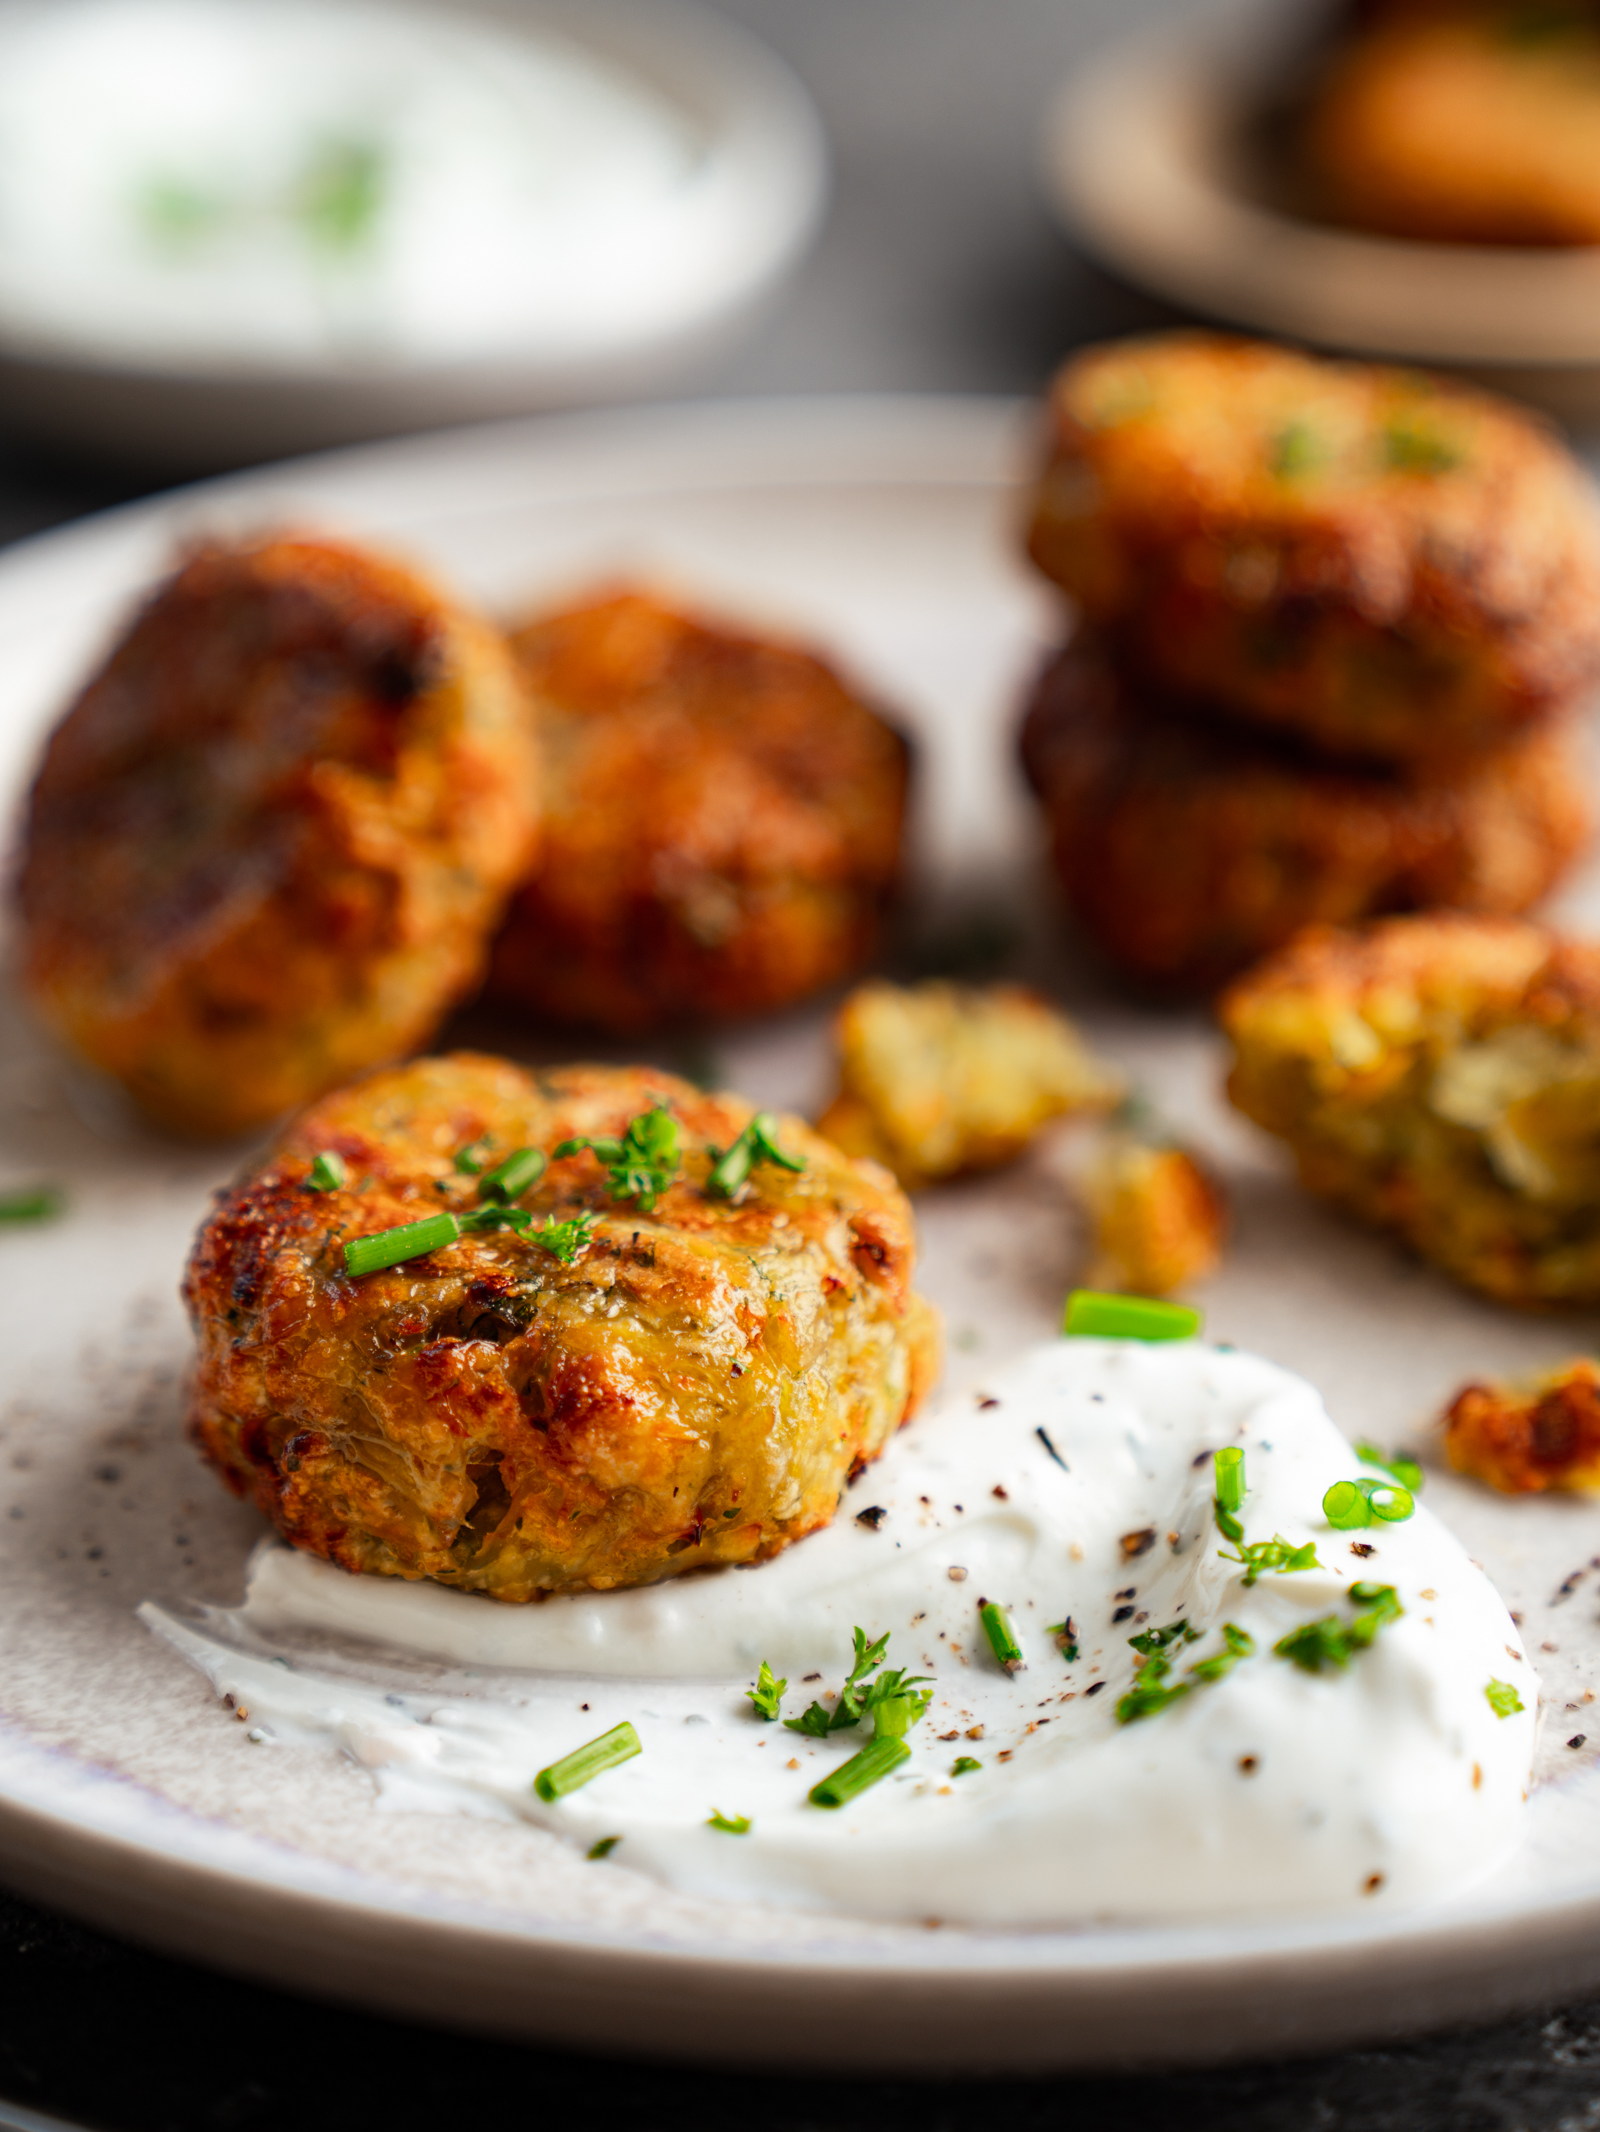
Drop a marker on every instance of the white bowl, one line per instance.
(756, 197)
(1146, 159)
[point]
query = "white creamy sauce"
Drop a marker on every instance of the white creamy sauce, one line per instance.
(280, 180)
(1271, 1789)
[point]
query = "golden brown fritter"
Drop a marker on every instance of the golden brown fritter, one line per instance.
(694, 1387)
(1160, 1218)
(269, 839)
(1439, 1075)
(1188, 849)
(1388, 566)
(1464, 124)
(1525, 1438)
(723, 828)
(938, 1079)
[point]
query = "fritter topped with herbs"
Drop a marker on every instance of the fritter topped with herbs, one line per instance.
(723, 826)
(268, 842)
(1386, 565)
(627, 1330)
(1439, 1075)
(1188, 848)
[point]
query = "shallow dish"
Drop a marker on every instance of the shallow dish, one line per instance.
(128, 1794)
(1149, 155)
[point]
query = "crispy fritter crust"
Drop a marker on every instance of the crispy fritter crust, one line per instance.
(1188, 850)
(1523, 1439)
(269, 840)
(938, 1079)
(1389, 566)
(1160, 1218)
(695, 1388)
(724, 822)
(1440, 1076)
(1467, 124)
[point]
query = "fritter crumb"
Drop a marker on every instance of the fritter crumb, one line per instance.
(1525, 1438)
(937, 1079)
(1160, 1219)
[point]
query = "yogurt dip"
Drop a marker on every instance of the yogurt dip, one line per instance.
(1081, 1490)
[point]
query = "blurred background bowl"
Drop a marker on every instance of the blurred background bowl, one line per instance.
(1158, 157)
(750, 201)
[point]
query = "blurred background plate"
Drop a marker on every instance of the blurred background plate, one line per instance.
(634, 256)
(1153, 157)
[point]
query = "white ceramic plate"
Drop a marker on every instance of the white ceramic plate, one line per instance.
(1145, 158)
(129, 1795)
(742, 222)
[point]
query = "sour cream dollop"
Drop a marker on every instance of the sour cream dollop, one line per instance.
(1081, 1490)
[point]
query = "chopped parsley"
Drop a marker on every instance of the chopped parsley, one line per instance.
(327, 1173)
(1155, 1689)
(894, 1701)
(39, 1202)
(586, 1763)
(1503, 1699)
(1333, 1640)
(1237, 1643)
(604, 1848)
(1002, 1639)
(564, 1239)
(1256, 1556)
(640, 1165)
(1405, 1471)
(964, 1765)
(757, 1143)
(767, 1694)
(730, 1824)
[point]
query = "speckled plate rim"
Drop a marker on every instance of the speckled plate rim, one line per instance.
(88, 1838)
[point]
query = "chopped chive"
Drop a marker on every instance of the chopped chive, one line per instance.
(328, 1172)
(861, 1772)
(964, 1765)
(1128, 1317)
(757, 1143)
(1503, 1699)
(392, 1247)
(767, 1694)
(603, 1848)
(39, 1202)
(511, 1178)
(585, 1763)
(1348, 1505)
(1007, 1650)
(469, 1160)
(1399, 1468)
(1228, 1466)
(730, 1824)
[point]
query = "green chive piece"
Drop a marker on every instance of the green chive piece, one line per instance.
(328, 1172)
(1503, 1699)
(511, 1178)
(586, 1763)
(392, 1247)
(861, 1772)
(757, 1143)
(40, 1202)
(469, 1160)
(1228, 1466)
(1393, 1505)
(1007, 1650)
(603, 1848)
(1346, 1506)
(642, 1164)
(964, 1765)
(1399, 1468)
(730, 1824)
(1128, 1317)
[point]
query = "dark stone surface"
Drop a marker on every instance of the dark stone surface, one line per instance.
(939, 271)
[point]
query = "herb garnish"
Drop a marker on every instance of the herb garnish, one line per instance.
(39, 1202)
(564, 1239)
(642, 1163)
(730, 1824)
(414, 1239)
(1066, 1637)
(1410, 449)
(863, 1770)
(1239, 1643)
(1351, 1504)
(1002, 1640)
(327, 1173)
(1332, 1641)
(1155, 1689)
(1503, 1699)
(1295, 450)
(1276, 1554)
(767, 1694)
(469, 1160)
(894, 1701)
(586, 1763)
(604, 1848)
(964, 1764)
(1399, 1468)
(757, 1143)
(1127, 1317)
(511, 1178)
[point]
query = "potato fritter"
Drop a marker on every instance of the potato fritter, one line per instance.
(937, 1079)
(1464, 124)
(270, 838)
(1525, 1438)
(1439, 1075)
(1188, 849)
(1160, 1218)
(656, 1388)
(723, 828)
(1388, 566)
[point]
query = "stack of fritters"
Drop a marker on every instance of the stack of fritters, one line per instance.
(1333, 625)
